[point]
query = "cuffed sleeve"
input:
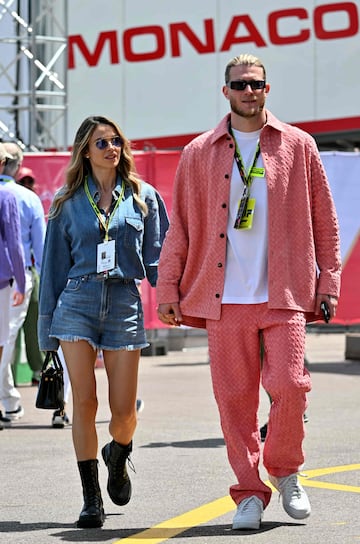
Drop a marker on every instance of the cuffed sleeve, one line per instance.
(156, 226)
(56, 263)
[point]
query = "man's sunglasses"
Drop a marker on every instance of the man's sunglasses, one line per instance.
(103, 143)
(241, 84)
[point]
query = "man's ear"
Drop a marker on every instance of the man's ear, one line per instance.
(225, 91)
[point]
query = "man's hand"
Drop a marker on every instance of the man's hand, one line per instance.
(18, 298)
(170, 314)
(331, 302)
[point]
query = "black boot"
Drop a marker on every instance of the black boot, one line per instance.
(119, 486)
(92, 514)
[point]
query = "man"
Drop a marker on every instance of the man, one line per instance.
(252, 221)
(25, 177)
(32, 223)
(11, 259)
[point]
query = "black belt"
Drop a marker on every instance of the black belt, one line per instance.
(28, 268)
(105, 276)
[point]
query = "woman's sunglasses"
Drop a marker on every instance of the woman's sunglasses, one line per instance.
(103, 143)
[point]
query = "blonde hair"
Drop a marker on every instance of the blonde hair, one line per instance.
(12, 165)
(79, 165)
(246, 60)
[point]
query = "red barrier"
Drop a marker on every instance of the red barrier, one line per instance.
(348, 311)
(158, 168)
(49, 172)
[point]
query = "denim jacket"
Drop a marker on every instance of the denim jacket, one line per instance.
(71, 243)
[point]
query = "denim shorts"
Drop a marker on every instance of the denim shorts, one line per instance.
(107, 313)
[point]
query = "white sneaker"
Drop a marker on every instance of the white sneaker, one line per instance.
(294, 498)
(59, 419)
(249, 513)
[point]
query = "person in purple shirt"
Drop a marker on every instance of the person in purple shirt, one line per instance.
(12, 266)
(33, 226)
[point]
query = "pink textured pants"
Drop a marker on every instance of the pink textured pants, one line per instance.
(234, 350)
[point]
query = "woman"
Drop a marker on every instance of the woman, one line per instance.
(105, 231)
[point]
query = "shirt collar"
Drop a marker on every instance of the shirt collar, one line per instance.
(117, 188)
(6, 179)
(94, 191)
(222, 128)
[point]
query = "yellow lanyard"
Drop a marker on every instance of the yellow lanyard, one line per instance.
(246, 178)
(105, 223)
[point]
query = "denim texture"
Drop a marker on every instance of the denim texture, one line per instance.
(106, 313)
(71, 241)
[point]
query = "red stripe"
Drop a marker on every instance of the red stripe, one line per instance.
(164, 142)
(330, 125)
(313, 127)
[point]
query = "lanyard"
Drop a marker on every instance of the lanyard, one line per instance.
(247, 179)
(105, 223)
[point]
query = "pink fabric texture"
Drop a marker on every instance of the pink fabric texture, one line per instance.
(302, 228)
(234, 350)
(303, 259)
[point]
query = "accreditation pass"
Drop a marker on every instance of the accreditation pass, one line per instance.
(105, 256)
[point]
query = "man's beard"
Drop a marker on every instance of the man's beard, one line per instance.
(247, 114)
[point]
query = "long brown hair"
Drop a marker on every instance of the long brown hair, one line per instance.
(79, 165)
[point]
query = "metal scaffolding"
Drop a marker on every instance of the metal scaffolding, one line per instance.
(33, 73)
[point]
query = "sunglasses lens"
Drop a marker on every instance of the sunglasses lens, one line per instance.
(103, 143)
(238, 85)
(257, 84)
(241, 84)
(117, 141)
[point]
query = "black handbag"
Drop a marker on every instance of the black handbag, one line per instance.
(50, 395)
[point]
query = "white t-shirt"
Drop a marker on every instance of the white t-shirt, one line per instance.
(246, 255)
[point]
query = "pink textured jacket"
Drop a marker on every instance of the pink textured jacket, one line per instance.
(303, 237)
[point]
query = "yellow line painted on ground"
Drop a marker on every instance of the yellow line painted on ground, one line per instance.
(331, 470)
(174, 526)
(306, 478)
(329, 485)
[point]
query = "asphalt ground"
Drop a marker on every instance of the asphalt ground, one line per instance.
(180, 488)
